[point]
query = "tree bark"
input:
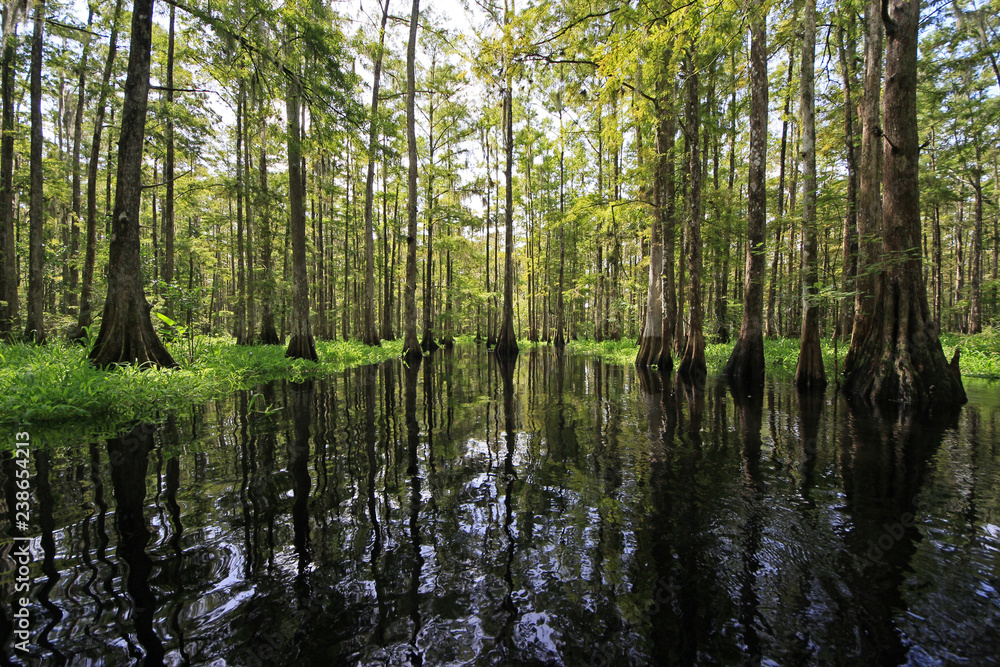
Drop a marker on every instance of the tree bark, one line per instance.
(428, 343)
(81, 102)
(370, 334)
(127, 336)
(773, 323)
(667, 213)
(976, 277)
(9, 301)
(660, 286)
(35, 327)
(745, 367)
(240, 332)
(268, 333)
(692, 366)
(300, 344)
(849, 252)
(506, 339)
(809, 372)
(167, 221)
(869, 192)
(898, 356)
(411, 345)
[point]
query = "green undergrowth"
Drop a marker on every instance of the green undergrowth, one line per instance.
(55, 382)
(980, 353)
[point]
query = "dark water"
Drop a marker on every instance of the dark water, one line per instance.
(575, 513)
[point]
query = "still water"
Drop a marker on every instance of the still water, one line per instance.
(563, 512)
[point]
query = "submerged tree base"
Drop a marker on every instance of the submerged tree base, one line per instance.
(809, 372)
(745, 367)
(649, 351)
(692, 367)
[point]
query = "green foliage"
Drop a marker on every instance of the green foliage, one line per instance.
(52, 383)
(611, 351)
(980, 352)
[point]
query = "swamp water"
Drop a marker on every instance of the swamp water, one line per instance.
(569, 512)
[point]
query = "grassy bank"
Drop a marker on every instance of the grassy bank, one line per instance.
(55, 385)
(980, 353)
(55, 382)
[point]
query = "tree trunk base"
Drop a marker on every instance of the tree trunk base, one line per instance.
(506, 343)
(745, 367)
(412, 354)
(127, 336)
(558, 341)
(649, 351)
(692, 367)
(268, 334)
(896, 356)
(302, 346)
(428, 344)
(809, 372)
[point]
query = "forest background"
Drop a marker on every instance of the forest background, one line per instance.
(581, 166)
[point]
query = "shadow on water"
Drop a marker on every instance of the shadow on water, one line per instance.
(549, 509)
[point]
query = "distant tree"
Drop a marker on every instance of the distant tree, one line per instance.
(809, 373)
(85, 315)
(746, 363)
(9, 300)
(411, 345)
(35, 328)
(370, 335)
(301, 344)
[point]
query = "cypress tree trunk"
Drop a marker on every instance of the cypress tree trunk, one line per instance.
(300, 344)
(411, 346)
(746, 363)
(897, 356)
(251, 310)
(85, 316)
(870, 172)
(127, 335)
(773, 323)
(975, 279)
(35, 328)
(428, 343)
(692, 366)
(168, 176)
(809, 373)
(666, 202)
(240, 331)
(74, 249)
(660, 286)
(369, 334)
(268, 333)
(9, 301)
(850, 247)
(507, 340)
